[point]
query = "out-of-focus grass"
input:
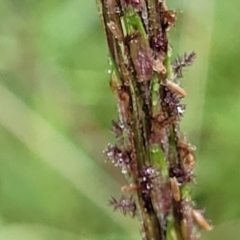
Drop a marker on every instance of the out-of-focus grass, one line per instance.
(56, 108)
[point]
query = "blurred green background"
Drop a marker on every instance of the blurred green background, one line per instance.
(56, 109)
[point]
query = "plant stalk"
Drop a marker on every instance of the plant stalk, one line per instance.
(154, 156)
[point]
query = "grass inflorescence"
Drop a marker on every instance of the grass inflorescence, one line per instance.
(154, 156)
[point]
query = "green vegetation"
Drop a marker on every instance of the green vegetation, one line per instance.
(56, 109)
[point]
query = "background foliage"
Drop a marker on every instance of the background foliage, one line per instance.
(56, 108)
